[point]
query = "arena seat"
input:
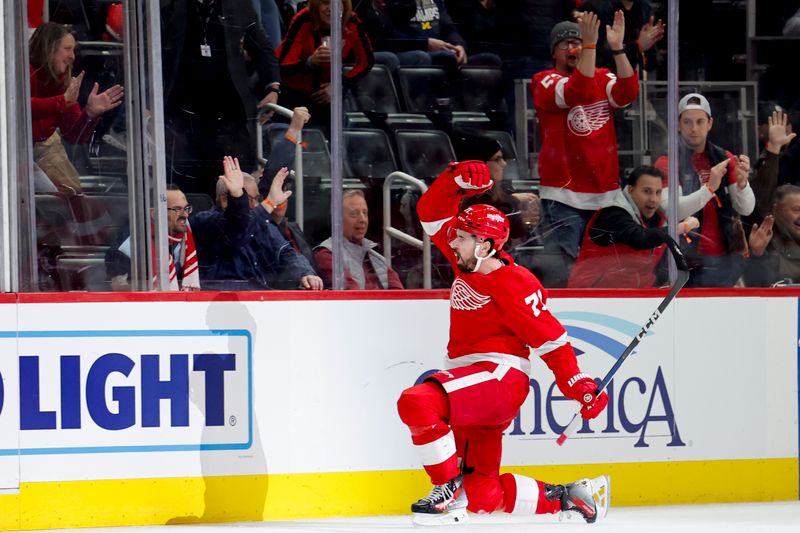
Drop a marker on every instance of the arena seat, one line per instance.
(55, 225)
(428, 90)
(480, 89)
(374, 102)
(85, 272)
(368, 154)
(424, 153)
(199, 201)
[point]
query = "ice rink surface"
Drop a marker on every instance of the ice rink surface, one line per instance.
(775, 517)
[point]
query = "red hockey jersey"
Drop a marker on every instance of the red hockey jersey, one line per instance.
(501, 316)
(578, 163)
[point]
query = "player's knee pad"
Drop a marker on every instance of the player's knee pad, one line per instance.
(521, 494)
(422, 404)
(484, 493)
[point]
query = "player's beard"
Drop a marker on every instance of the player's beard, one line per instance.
(467, 265)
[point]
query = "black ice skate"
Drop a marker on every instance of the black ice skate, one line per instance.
(445, 505)
(587, 498)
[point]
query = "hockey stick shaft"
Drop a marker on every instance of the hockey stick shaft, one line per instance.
(680, 281)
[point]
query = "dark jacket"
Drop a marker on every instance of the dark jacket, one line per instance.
(780, 261)
(404, 25)
(243, 33)
(282, 155)
(690, 182)
(242, 249)
(484, 29)
(770, 171)
(621, 249)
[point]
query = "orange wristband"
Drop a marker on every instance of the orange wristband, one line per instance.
(589, 47)
(273, 206)
(292, 140)
(716, 198)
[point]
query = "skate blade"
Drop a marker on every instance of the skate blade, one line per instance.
(601, 494)
(570, 515)
(453, 517)
(601, 491)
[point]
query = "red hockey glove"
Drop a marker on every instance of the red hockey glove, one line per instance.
(583, 391)
(469, 177)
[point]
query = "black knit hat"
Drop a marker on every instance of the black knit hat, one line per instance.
(564, 30)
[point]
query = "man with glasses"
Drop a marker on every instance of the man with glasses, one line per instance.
(578, 163)
(239, 245)
(183, 266)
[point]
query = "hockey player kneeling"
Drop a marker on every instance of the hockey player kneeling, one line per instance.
(499, 320)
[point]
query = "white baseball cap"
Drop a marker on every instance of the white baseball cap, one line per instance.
(694, 101)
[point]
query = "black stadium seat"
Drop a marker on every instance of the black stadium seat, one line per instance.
(375, 92)
(424, 89)
(316, 154)
(368, 154)
(55, 225)
(424, 154)
(428, 90)
(199, 201)
(374, 102)
(480, 89)
(82, 272)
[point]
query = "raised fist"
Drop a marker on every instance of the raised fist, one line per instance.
(584, 392)
(716, 174)
(470, 177)
(688, 224)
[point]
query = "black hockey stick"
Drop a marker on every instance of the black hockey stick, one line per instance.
(680, 281)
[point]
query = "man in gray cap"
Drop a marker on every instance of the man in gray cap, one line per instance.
(714, 188)
(578, 163)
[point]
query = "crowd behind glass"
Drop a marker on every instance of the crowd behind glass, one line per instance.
(425, 82)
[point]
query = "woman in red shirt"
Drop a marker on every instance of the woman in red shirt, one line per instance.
(54, 103)
(305, 57)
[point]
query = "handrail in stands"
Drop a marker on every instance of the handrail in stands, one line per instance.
(298, 158)
(389, 232)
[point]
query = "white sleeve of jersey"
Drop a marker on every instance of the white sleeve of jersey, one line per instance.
(549, 346)
(687, 205)
(560, 99)
(743, 200)
(432, 228)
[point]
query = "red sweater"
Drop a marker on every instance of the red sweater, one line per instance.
(578, 164)
(324, 259)
(49, 110)
(302, 40)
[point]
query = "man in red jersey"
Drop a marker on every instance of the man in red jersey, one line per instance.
(578, 163)
(498, 318)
